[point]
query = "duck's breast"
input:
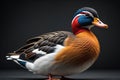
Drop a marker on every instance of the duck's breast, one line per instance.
(80, 54)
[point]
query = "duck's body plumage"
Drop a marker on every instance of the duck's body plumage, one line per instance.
(56, 51)
(80, 54)
(62, 52)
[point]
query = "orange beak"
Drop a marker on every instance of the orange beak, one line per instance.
(97, 22)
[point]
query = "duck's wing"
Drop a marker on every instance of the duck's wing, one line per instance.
(42, 45)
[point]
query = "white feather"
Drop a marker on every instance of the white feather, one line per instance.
(44, 64)
(12, 57)
(37, 51)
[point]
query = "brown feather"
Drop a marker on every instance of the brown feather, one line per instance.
(84, 47)
(45, 42)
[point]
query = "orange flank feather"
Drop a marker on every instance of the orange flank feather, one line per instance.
(83, 49)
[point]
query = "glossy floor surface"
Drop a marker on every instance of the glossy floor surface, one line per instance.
(87, 75)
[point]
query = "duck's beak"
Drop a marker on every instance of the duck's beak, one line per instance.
(97, 22)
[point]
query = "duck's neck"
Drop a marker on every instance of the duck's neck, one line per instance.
(76, 27)
(77, 30)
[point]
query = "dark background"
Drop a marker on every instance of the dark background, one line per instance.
(25, 19)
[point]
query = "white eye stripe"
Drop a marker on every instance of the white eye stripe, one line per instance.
(89, 13)
(77, 16)
(83, 14)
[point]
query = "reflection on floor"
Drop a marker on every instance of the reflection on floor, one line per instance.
(87, 75)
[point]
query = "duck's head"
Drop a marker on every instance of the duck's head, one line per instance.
(86, 18)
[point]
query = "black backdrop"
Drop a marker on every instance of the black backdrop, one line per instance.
(24, 19)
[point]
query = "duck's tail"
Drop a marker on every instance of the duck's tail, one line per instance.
(23, 63)
(16, 58)
(12, 56)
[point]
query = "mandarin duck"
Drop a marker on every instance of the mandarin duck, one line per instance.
(61, 52)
